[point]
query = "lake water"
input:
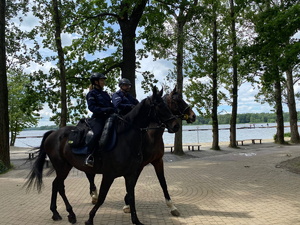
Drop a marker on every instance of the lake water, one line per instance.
(190, 134)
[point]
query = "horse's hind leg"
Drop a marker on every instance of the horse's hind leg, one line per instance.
(53, 206)
(93, 189)
(58, 186)
(159, 169)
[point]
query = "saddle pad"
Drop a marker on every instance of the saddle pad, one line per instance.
(80, 150)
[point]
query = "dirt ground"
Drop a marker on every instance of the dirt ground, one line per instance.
(292, 165)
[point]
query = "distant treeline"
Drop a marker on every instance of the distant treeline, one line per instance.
(244, 118)
(223, 119)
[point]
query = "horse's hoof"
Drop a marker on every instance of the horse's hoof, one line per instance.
(175, 212)
(88, 223)
(126, 209)
(94, 201)
(94, 196)
(72, 219)
(56, 217)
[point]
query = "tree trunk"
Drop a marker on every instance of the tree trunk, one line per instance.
(4, 118)
(215, 124)
(128, 27)
(234, 81)
(61, 62)
(279, 113)
(129, 58)
(179, 65)
(292, 107)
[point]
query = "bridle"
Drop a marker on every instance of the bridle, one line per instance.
(152, 113)
(182, 113)
(162, 123)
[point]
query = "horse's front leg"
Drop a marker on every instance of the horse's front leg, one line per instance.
(130, 197)
(93, 189)
(60, 187)
(104, 188)
(159, 169)
(126, 207)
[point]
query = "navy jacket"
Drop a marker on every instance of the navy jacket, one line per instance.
(123, 102)
(99, 103)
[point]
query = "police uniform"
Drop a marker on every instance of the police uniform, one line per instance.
(99, 103)
(123, 102)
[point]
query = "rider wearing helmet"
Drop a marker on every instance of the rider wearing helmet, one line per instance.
(122, 99)
(99, 103)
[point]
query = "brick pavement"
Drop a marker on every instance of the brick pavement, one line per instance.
(229, 187)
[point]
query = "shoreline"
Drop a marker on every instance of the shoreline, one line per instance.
(16, 149)
(225, 143)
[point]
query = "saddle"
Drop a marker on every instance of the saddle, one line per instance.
(82, 134)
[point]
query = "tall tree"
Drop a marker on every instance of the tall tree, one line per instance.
(275, 23)
(208, 65)
(4, 119)
(234, 77)
(171, 19)
(97, 21)
(61, 62)
(292, 107)
(215, 123)
(66, 100)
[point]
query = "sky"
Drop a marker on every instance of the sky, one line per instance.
(246, 95)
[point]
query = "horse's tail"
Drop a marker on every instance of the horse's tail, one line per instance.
(35, 177)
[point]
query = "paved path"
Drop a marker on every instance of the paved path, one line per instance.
(208, 187)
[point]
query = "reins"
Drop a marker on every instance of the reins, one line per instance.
(161, 124)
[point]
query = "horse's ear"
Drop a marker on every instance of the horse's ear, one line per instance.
(175, 89)
(154, 90)
(161, 92)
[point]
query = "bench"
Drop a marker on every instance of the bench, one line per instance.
(32, 153)
(192, 146)
(241, 141)
(171, 147)
(255, 139)
(189, 146)
(252, 140)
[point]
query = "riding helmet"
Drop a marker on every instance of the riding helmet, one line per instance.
(124, 81)
(96, 76)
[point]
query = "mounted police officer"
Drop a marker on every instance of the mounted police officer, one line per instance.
(122, 99)
(99, 103)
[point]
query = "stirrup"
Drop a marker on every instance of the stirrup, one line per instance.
(89, 161)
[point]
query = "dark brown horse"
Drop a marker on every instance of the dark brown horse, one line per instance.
(153, 149)
(124, 160)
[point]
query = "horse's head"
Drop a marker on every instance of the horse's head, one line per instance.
(179, 107)
(161, 111)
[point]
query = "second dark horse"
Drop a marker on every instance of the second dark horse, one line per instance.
(124, 160)
(153, 149)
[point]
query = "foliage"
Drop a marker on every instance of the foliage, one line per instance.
(200, 61)
(23, 104)
(103, 40)
(244, 118)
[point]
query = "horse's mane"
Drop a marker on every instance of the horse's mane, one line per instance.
(129, 117)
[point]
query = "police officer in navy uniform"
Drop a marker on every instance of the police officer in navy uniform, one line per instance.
(122, 100)
(99, 103)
